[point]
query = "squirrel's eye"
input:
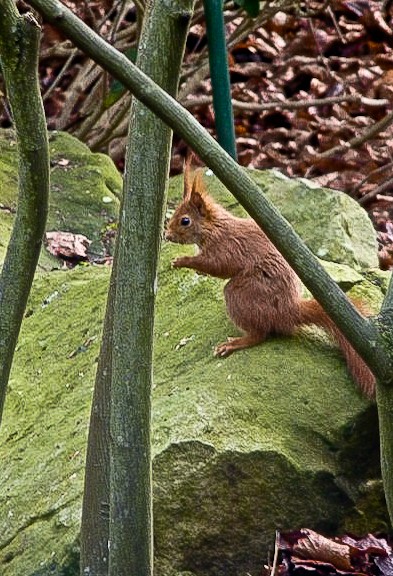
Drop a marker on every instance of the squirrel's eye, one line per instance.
(185, 221)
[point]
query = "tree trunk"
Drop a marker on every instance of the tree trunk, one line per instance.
(94, 554)
(19, 48)
(384, 324)
(130, 347)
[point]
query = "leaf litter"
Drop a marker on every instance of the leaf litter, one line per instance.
(307, 553)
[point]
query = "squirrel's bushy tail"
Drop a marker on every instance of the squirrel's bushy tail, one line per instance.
(311, 312)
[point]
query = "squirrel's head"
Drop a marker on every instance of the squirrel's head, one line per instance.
(191, 219)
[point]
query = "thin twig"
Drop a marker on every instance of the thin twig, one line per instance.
(358, 140)
(140, 6)
(196, 78)
(61, 74)
(118, 18)
(86, 76)
(371, 175)
(335, 24)
(289, 105)
(323, 59)
(275, 558)
(118, 113)
(75, 51)
(93, 24)
(383, 198)
(62, 50)
(371, 195)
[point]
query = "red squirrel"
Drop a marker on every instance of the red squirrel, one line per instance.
(263, 293)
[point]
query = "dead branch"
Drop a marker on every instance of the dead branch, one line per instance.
(374, 193)
(370, 175)
(288, 105)
(358, 140)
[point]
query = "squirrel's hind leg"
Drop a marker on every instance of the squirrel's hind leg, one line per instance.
(240, 300)
(258, 308)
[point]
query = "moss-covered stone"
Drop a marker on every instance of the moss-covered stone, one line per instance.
(84, 192)
(242, 446)
(275, 437)
(45, 420)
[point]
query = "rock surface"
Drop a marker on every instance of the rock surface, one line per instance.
(272, 438)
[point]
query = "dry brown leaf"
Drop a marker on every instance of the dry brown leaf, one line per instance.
(67, 244)
(316, 547)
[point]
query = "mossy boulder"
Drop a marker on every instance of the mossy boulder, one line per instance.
(275, 437)
(84, 193)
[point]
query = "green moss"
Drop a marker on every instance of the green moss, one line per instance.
(271, 374)
(370, 515)
(264, 414)
(8, 168)
(223, 492)
(379, 278)
(46, 417)
(6, 221)
(368, 293)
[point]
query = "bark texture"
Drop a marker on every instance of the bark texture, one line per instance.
(141, 220)
(94, 554)
(385, 399)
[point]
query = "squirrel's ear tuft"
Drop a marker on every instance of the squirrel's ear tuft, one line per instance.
(198, 185)
(198, 201)
(199, 197)
(187, 176)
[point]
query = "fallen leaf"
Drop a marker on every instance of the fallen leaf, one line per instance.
(67, 245)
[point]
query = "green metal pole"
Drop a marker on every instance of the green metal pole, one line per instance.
(219, 72)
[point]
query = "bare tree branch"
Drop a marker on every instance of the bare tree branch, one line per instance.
(286, 104)
(19, 47)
